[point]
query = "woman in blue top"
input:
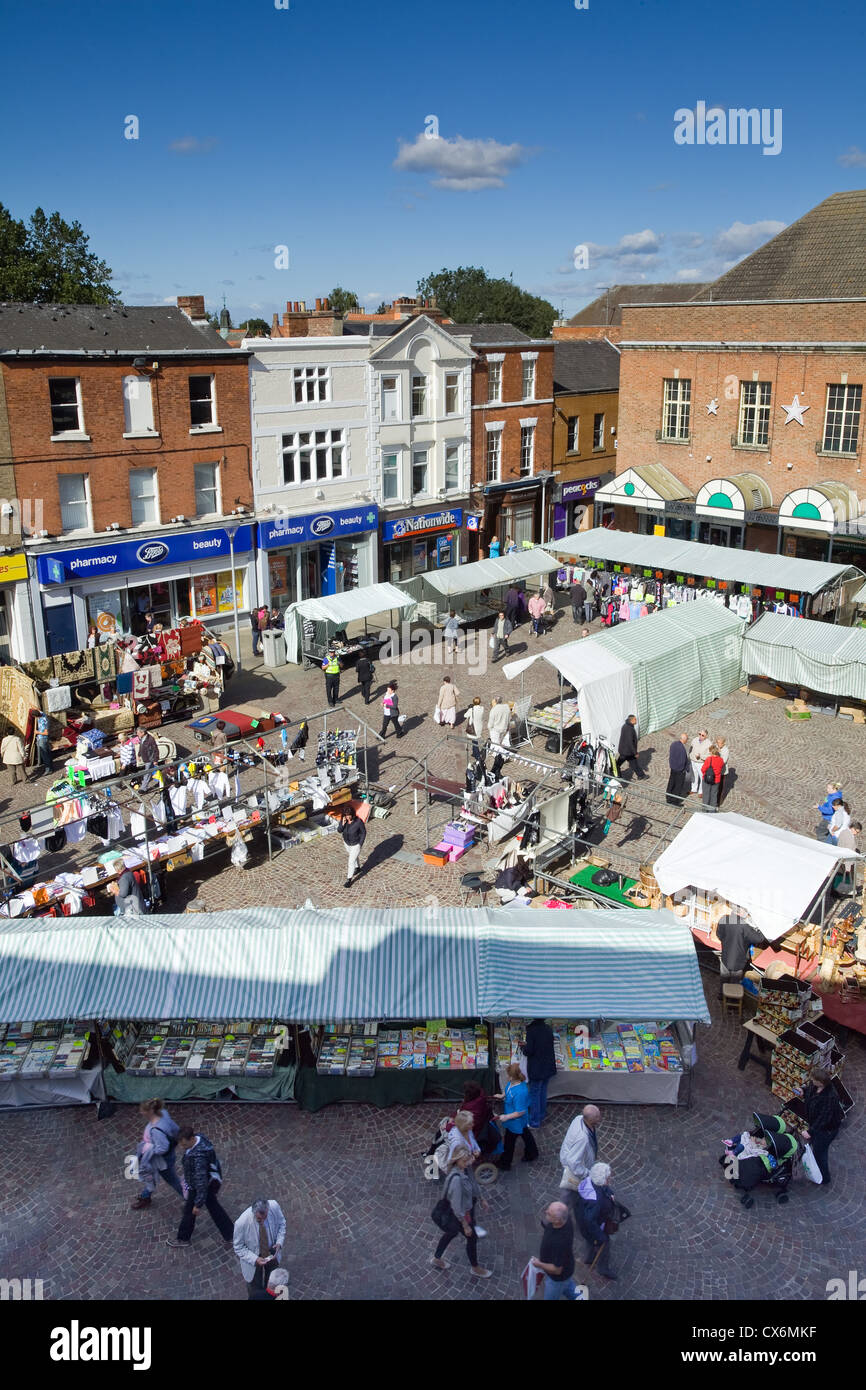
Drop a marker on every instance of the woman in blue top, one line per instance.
(493, 551)
(515, 1119)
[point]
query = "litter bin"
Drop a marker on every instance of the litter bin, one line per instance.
(274, 648)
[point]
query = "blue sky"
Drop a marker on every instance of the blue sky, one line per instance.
(262, 127)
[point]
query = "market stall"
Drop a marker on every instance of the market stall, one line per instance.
(479, 586)
(313, 625)
(822, 657)
(659, 670)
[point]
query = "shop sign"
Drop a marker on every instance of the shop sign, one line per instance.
(91, 562)
(407, 526)
(582, 489)
(13, 568)
(473, 521)
(317, 526)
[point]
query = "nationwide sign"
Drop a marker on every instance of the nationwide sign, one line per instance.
(317, 526)
(408, 526)
(91, 562)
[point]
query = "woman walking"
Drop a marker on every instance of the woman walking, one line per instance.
(498, 721)
(461, 1193)
(391, 711)
(155, 1153)
(712, 775)
(446, 704)
(515, 1120)
(475, 724)
(824, 1116)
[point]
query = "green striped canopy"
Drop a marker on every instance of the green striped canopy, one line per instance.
(798, 651)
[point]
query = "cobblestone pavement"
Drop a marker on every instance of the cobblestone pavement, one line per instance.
(350, 1180)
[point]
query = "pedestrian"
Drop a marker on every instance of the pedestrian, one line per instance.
(493, 548)
(841, 819)
(148, 751)
(834, 792)
(512, 605)
(589, 602)
(452, 633)
(366, 673)
(477, 1104)
(577, 595)
(332, 668)
(847, 838)
(540, 1057)
(597, 1212)
(735, 937)
(475, 724)
(498, 722)
(628, 746)
(578, 1153)
(549, 598)
(537, 608)
(126, 891)
(502, 630)
(43, 742)
(515, 1119)
(277, 622)
(260, 621)
(510, 547)
(556, 1257)
(462, 1194)
(460, 1133)
(824, 1116)
(218, 737)
(258, 1239)
(712, 777)
(202, 1179)
(391, 710)
(277, 1288)
(699, 750)
(127, 751)
(446, 703)
(584, 632)
(354, 833)
(13, 755)
(155, 1153)
(680, 778)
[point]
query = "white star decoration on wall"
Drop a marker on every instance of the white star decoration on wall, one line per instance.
(713, 407)
(794, 411)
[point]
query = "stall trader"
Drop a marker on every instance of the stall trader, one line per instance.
(735, 938)
(128, 895)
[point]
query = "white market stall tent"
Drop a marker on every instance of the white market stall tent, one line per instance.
(775, 877)
(447, 584)
(823, 657)
(660, 668)
(335, 611)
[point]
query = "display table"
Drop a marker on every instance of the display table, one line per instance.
(131, 1089)
(619, 1087)
(851, 1015)
(393, 1087)
(614, 891)
(78, 1089)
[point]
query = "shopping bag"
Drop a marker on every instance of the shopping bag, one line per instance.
(437, 715)
(532, 1278)
(491, 642)
(810, 1165)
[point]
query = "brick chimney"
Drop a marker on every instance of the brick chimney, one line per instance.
(193, 306)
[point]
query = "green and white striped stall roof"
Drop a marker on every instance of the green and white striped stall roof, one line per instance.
(798, 651)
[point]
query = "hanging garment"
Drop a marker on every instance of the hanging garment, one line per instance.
(177, 796)
(26, 851)
(219, 785)
(98, 825)
(624, 611)
(75, 831)
(137, 824)
(115, 822)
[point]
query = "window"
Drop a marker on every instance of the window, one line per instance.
(66, 417)
(207, 501)
(452, 393)
(598, 431)
(137, 406)
(390, 477)
(419, 395)
(311, 384)
(494, 449)
(677, 408)
(390, 398)
(842, 421)
(419, 472)
(494, 381)
(754, 423)
(573, 434)
(452, 467)
(74, 501)
(528, 381)
(527, 450)
(201, 402)
(312, 454)
(142, 496)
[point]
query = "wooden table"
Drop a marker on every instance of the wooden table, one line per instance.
(764, 1036)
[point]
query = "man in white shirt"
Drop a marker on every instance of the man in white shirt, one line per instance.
(699, 751)
(579, 1152)
(258, 1240)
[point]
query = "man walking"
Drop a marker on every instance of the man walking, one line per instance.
(589, 602)
(332, 668)
(578, 1153)
(12, 753)
(43, 742)
(451, 633)
(679, 781)
(628, 746)
(699, 751)
(354, 833)
(540, 1067)
(556, 1258)
(258, 1240)
(578, 599)
(365, 671)
(202, 1177)
(502, 630)
(391, 711)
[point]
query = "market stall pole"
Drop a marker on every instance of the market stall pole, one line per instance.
(231, 532)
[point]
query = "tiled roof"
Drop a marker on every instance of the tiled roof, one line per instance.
(103, 328)
(585, 365)
(607, 309)
(488, 333)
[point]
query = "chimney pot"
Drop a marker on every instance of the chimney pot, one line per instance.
(326, 304)
(302, 307)
(318, 306)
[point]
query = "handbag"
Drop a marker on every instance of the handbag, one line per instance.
(810, 1165)
(442, 1214)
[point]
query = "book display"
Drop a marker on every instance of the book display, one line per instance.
(185, 1047)
(361, 1049)
(623, 1047)
(41, 1063)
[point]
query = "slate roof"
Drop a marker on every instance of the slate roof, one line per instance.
(820, 256)
(487, 334)
(596, 313)
(585, 366)
(103, 328)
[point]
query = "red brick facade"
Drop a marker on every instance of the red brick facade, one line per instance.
(511, 410)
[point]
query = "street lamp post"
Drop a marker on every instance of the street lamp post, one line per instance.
(231, 532)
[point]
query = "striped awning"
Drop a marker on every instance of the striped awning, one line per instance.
(487, 574)
(728, 499)
(627, 966)
(823, 657)
(826, 507)
(647, 486)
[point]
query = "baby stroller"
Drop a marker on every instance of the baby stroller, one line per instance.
(490, 1143)
(765, 1155)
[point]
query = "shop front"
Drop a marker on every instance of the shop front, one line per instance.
(183, 575)
(572, 510)
(513, 511)
(317, 554)
(13, 606)
(421, 543)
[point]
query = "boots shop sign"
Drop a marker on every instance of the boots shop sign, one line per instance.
(93, 562)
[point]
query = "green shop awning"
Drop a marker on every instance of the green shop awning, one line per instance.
(823, 657)
(821, 507)
(728, 499)
(647, 486)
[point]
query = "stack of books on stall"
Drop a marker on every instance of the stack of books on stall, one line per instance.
(333, 1052)
(204, 1055)
(435, 1045)
(175, 1055)
(633, 1047)
(232, 1060)
(361, 1058)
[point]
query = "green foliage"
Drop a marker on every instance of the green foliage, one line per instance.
(469, 295)
(340, 300)
(256, 328)
(48, 261)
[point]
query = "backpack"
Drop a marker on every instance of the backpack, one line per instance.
(710, 776)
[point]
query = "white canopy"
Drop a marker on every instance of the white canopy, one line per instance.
(772, 874)
(339, 609)
(604, 684)
(487, 574)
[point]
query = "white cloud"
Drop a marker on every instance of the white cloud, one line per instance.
(853, 158)
(461, 165)
(741, 238)
(190, 144)
(633, 249)
(372, 296)
(691, 274)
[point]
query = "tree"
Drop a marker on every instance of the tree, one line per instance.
(341, 300)
(469, 295)
(49, 261)
(256, 328)
(383, 308)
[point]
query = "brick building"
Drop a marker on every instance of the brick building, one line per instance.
(129, 434)
(585, 422)
(740, 416)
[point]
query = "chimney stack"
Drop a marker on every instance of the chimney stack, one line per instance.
(193, 306)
